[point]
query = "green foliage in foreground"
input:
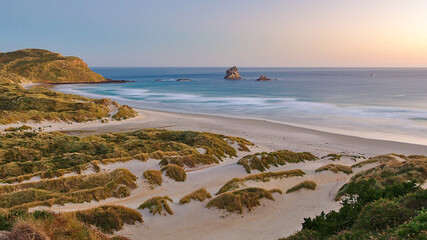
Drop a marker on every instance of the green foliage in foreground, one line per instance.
(109, 218)
(263, 161)
(384, 202)
(25, 155)
(37, 104)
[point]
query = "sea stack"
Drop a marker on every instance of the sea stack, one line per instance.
(232, 73)
(263, 78)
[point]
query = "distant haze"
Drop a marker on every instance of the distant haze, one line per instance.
(273, 33)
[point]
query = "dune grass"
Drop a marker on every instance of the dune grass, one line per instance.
(335, 156)
(37, 104)
(263, 161)
(307, 184)
(336, 168)
(235, 183)
(198, 195)
(153, 177)
(24, 155)
(237, 201)
(376, 159)
(125, 112)
(175, 172)
(109, 218)
(158, 205)
(75, 189)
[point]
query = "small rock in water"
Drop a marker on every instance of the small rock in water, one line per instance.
(232, 73)
(263, 78)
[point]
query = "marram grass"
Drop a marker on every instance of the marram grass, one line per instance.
(307, 184)
(263, 161)
(199, 195)
(157, 205)
(175, 172)
(238, 200)
(153, 177)
(336, 168)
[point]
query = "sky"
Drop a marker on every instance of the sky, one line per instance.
(210, 33)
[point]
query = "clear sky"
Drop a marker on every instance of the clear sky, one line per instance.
(276, 33)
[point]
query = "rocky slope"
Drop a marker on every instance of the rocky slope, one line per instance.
(43, 66)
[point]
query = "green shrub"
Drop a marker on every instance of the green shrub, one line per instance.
(416, 228)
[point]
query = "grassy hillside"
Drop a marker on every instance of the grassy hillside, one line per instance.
(37, 104)
(43, 66)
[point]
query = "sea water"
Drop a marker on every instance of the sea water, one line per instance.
(384, 103)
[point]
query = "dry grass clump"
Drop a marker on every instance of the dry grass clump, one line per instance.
(336, 168)
(125, 112)
(157, 205)
(235, 183)
(142, 156)
(109, 218)
(335, 156)
(376, 159)
(198, 195)
(153, 177)
(175, 172)
(75, 189)
(24, 155)
(262, 161)
(47, 225)
(390, 172)
(237, 200)
(307, 184)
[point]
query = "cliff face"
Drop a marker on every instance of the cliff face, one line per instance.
(232, 73)
(42, 66)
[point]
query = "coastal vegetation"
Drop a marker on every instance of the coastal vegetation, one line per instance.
(109, 218)
(175, 172)
(153, 177)
(235, 183)
(43, 66)
(307, 184)
(42, 225)
(335, 156)
(336, 168)
(199, 195)
(125, 112)
(25, 155)
(238, 200)
(158, 205)
(263, 161)
(384, 202)
(38, 104)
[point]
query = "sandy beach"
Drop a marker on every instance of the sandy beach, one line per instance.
(272, 220)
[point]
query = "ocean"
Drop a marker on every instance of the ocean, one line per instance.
(380, 103)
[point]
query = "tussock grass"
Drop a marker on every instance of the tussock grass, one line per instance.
(335, 156)
(37, 104)
(175, 172)
(336, 168)
(198, 195)
(376, 159)
(42, 225)
(125, 112)
(153, 177)
(142, 156)
(307, 184)
(263, 161)
(264, 177)
(109, 218)
(75, 189)
(157, 205)
(25, 155)
(237, 201)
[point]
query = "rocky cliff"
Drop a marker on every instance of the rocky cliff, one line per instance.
(43, 66)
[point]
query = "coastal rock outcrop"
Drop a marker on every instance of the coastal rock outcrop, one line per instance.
(232, 73)
(43, 66)
(263, 78)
